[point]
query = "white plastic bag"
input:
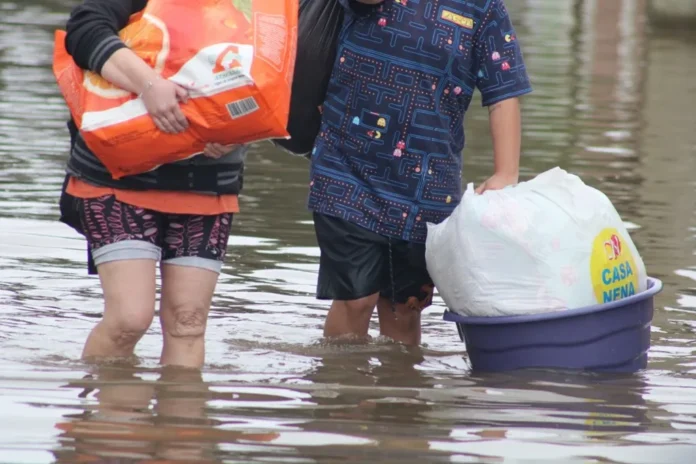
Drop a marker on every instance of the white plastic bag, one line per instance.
(548, 244)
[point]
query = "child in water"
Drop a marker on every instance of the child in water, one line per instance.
(388, 158)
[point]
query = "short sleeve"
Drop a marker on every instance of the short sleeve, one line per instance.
(498, 65)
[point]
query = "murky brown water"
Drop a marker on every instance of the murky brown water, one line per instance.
(614, 103)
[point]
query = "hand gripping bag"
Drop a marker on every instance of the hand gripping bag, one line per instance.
(319, 26)
(238, 68)
(549, 244)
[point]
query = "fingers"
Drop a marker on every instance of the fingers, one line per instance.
(164, 125)
(480, 189)
(216, 150)
(169, 123)
(177, 119)
(213, 150)
(182, 94)
(170, 119)
(163, 103)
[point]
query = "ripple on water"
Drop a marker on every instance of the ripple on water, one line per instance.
(610, 104)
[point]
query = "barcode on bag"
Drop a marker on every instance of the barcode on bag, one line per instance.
(241, 108)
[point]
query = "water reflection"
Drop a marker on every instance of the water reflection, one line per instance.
(129, 418)
(613, 103)
(133, 415)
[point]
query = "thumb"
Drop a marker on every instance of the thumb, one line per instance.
(481, 188)
(182, 94)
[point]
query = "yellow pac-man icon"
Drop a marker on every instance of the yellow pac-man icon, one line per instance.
(378, 135)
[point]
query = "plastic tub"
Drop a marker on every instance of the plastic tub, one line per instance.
(612, 337)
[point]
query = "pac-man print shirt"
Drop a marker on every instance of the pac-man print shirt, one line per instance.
(388, 156)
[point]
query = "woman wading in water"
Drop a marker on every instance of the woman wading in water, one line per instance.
(178, 215)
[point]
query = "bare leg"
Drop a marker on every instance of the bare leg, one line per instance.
(129, 307)
(403, 326)
(350, 317)
(187, 293)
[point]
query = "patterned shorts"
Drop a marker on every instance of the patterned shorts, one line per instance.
(118, 231)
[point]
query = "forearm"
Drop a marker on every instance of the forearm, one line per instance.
(506, 131)
(93, 42)
(128, 71)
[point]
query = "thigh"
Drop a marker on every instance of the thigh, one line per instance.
(117, 231)
(129, 289)
(123, 242)
(410, 282)
(196, 241)
(353, 260)
(193, 250)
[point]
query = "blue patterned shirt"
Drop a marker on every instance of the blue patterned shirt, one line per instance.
(388, 156)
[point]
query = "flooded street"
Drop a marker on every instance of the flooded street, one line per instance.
(614, 102)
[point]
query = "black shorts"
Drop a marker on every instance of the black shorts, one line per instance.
(356, 263)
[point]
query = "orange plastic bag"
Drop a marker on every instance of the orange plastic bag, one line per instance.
(238, 71)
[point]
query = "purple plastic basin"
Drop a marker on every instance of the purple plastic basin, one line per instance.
(612, 337)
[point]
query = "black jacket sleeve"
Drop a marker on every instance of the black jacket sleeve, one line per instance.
(93, 27)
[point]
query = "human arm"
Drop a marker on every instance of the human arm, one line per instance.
(160, 96)
(217, 150)
(506, 131)
(93, 42)
(501, 79)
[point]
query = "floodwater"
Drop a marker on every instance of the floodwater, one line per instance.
(614, 103)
